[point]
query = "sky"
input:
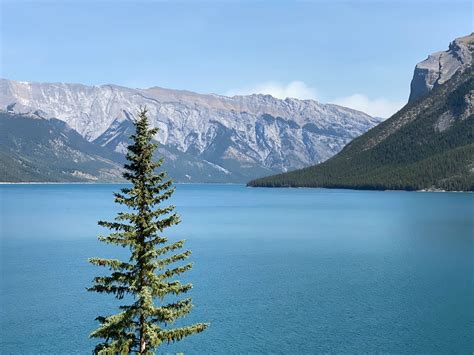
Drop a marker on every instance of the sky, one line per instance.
(359, 54)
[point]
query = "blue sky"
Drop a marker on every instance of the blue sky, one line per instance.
(358, 53)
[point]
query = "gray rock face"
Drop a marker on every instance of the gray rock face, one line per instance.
(441, 66)
(239, 137)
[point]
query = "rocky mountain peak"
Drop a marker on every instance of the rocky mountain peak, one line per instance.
(439, 67)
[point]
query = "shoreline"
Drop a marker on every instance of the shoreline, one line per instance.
(228, 183)
(114, 183)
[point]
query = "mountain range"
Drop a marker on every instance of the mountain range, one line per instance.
(204, 138)
(427, 145)
(77, 133)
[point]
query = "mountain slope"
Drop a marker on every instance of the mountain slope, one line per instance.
(429, 144)
(33, 149)
(213, 137)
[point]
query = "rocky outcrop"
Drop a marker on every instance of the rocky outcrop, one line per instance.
(441, 66)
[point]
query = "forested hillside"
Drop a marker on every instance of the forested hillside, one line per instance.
(429, 144)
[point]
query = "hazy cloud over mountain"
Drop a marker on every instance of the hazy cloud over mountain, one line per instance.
(377, 107)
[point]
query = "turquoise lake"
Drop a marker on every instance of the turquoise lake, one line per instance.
(276, 270)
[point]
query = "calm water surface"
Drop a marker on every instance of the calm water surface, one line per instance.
(276, 270)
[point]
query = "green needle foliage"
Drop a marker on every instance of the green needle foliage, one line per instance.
(148, 276)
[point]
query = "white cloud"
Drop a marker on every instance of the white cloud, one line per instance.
(379, 107)
(295, 89)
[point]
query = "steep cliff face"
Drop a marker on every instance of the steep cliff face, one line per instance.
(441, 66)
(238, 137)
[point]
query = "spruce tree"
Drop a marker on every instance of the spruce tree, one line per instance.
(148, 276)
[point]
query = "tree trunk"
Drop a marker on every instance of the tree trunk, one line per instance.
(142, 338)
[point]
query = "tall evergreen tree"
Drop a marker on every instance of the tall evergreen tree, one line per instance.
(148, 275)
